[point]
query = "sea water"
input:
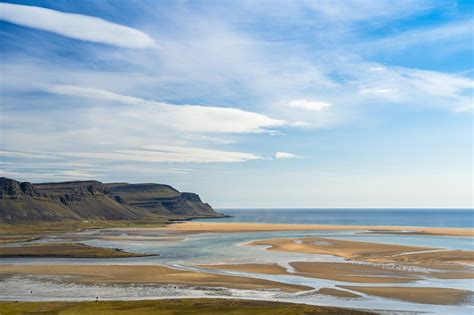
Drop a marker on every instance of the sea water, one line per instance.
(455, 218)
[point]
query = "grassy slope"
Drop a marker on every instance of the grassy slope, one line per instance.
(169, 307)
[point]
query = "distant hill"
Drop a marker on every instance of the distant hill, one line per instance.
(93, 200)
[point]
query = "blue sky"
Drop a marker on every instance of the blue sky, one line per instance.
(249, 103)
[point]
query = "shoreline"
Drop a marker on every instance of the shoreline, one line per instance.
(229, 227)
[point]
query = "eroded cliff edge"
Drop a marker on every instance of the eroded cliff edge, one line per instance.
(93, 200)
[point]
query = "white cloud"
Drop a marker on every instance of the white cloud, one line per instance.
(50, 175)
(169, 154)
(75, 26)
(195, 118)
(26, 155)
(368, 90)
(450, 32)
(285, 155)
(413, 86)
(309, 105)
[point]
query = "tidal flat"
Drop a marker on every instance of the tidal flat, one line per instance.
(343, 266)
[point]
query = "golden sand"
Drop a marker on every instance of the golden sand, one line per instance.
(147, 274)
(438, 296)
(341, 248)
(271, 269)
(222, 227)
(365, 251)
(353, 272)
(349, 272)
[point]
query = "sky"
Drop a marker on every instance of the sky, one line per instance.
(251, 104)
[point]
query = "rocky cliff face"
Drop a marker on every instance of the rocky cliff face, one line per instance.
(161, 199)
(85, 200)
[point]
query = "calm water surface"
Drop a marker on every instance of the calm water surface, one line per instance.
(462, 218)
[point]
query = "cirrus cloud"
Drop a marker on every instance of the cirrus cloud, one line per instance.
(194, 118)
(309, 105)
(77, 26)
(285, 155)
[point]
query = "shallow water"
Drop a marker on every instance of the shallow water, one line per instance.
(218, 248)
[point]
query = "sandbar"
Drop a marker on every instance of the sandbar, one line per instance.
(270, 269)
(347, 249)
(337, 293)
(222, 227)
(347, 272)
(146, 274)
(437, 296)
(369, 252)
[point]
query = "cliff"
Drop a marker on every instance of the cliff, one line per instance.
(160, 199)
(93, 200)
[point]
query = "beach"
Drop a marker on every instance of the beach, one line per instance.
(208, 227)
(336, 265)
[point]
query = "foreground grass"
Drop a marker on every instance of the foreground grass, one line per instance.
(169, 307)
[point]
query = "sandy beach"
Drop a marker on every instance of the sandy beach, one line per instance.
(365, 251)
(367, 268)
(348, 272)
(439, 296)
(146, 274)
(222, 227)
(330, 271)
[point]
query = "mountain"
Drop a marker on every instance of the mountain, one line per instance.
(93, 200)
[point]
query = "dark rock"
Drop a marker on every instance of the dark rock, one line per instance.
(85, 200)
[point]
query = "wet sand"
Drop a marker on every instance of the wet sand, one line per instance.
(353, 272)
(438, 296)
(270, 269)
(370, 252)
(222, 227)
(146, 274)
(347, 249)
(337, 293)
(142, 238)
(348, 272)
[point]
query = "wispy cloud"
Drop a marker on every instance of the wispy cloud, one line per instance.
(309, 105)
(459, 31)
(194, 118)
(169, 154)
(285, 155)
(77, 26)
(20, 154)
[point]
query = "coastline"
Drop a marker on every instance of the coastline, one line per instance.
(370, 268)
(222, 227)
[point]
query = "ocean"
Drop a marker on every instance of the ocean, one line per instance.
(456, 218)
